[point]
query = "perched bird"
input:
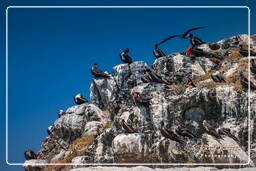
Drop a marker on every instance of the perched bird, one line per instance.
(148, 78)
(245, 52)
(245, 82)
(253, 67)
(186, 34)
(169, 133)
(98, 73)
(166, 39)
(183, 131)
(158, 52)
(29, 155)
(227, 132)
(138, 99)
(152, 76)
(79, 99)
(195, 41)
(125, 58)
(210, 130)
(217, 77)
(192, 50)
(128, 128)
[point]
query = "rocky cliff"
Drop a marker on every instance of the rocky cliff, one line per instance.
(123, 123)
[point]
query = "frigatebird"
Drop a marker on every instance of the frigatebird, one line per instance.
(98, 73)
(29, 155)
(124, 56)
(79, 99)
(128, 128)
(138, 99)
(158, 52)
(169, 133)
(227, 132)
(210, 130)
(183, 131)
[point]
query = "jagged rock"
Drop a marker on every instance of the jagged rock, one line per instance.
(107, 93)
(178, 68)
(76, 121)
(92, 127)
(103, 92)
(174, 102)
(62, 154)
(164, 67)
(130, 148)
(70, 126)
(100, 151)
(49, 148)
(127, 76)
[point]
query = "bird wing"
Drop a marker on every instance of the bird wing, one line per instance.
(192, 29)
(166, 39)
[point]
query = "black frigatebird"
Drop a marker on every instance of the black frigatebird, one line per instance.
(158, 52)
(128, 128)
(210, 130)
(79, 99)
(98, 73)
(124, 56)
(169, 133)
(227, 132)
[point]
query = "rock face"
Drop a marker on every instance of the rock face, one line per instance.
(95, 133)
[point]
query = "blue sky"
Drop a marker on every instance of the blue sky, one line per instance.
(51, 52)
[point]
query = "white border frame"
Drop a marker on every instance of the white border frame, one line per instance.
(128, 164)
